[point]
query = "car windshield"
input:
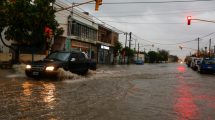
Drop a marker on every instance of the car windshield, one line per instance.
(61, 56)
(210, 62)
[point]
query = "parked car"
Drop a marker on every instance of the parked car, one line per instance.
(192, 64)
(139, 62)
(195, 63)
(73, 61)
(207, 66)
(189, 61)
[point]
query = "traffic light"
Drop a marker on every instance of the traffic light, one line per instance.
(189, 18)
(98, 2)
(48, 32)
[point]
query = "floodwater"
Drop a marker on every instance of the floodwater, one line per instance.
(120, 92)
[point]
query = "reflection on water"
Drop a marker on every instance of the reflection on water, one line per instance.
(181, 69)
(185, 106)
(27, 88)
(48, 94)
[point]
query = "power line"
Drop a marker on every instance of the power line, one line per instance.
(147, 40)
(103, 22)
(155, 2)
(120, 31)
(178, 42)
(140, 15)
(143, 23)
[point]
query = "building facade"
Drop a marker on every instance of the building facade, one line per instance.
(105, 44)
(82, 33)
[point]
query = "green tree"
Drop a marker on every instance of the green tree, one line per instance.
(3, 15)
(163, 55)
(175, 58)
(152, 56)
(3, 21)
(117, 48)
(129, 52)
(25, 21)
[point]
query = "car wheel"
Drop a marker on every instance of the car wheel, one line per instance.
(28, 74)
(201, 72)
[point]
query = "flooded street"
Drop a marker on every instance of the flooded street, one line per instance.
(134, 92)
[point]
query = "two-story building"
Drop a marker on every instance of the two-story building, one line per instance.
(106, 40)
(82, 33)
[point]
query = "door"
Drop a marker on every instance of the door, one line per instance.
(73, 62)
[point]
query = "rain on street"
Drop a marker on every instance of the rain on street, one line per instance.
(120, 92)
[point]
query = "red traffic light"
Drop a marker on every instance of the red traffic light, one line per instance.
(189, 18)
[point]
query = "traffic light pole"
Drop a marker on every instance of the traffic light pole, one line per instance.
(204, 20)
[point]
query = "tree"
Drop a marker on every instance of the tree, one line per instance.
(163, 55)
(25, 21)
(175, 58)
(3, 15)
(152, 56)
(117, 48)
(3, 21)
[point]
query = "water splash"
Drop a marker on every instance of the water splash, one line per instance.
(19, 68)
(62, 75)
(19, 71)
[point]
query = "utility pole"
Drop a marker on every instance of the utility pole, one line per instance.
(214, 50)
(210, 48)
(198, 49)
(205, 51)
(138, 50)
(135, 45)
(129, 47)
(126, 39)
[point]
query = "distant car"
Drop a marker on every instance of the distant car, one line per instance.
(206, 66)
(73, 61)
(139, 62)
(195, 63)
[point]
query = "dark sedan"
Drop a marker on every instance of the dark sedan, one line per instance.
(73, 61)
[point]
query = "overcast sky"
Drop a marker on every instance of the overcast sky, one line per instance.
(159, 23)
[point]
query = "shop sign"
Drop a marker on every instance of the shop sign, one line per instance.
(105, 47)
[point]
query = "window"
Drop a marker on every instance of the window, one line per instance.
(61, 56)
(81, 57)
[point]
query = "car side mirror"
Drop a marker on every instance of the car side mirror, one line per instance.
(73, 60)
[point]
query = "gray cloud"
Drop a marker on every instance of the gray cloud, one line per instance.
(162, 23)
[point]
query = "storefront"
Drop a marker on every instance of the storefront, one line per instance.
(88, 48)
(105, 54)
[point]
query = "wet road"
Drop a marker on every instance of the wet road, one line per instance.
(144, 92)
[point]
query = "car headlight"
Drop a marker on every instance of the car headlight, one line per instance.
(50, 68)
(28, 67)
